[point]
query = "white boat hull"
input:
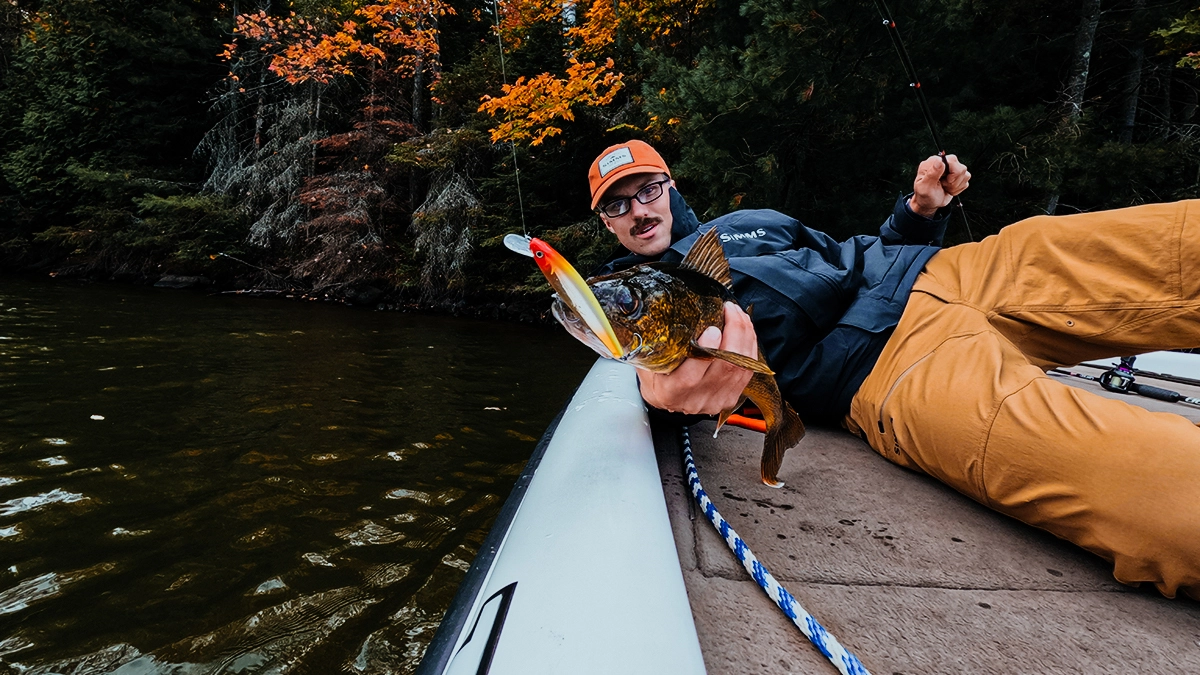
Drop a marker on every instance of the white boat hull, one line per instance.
(586, 578)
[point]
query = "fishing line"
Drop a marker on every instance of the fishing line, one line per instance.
(822, 639)
(915, 83)
(512, 144)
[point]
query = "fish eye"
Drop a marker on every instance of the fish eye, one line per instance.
(625, 301)
(539, 254)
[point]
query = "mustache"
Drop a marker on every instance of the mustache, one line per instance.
(643, 224)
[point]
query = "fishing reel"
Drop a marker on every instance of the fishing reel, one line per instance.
(1120, 378)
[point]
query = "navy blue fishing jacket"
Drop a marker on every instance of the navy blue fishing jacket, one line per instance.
(823, 310)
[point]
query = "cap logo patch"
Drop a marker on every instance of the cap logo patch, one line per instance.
(618, 157)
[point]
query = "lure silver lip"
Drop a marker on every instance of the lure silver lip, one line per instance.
(518, 244)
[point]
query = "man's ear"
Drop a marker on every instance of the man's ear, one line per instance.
(607, 224)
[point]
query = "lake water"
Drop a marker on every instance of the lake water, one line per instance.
(213, 484)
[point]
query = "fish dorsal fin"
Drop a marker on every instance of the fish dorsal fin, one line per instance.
(707, 257)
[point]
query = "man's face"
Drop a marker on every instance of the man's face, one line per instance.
(645, 228)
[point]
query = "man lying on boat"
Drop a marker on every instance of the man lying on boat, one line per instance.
(938, 357)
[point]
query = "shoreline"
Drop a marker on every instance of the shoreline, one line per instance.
(515, 306)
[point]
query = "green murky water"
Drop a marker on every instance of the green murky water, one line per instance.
(195, 484)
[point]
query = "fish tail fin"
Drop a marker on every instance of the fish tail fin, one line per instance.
(777, 442)
(784, 427)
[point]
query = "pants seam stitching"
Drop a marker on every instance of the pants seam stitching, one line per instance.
(987, 439)
(1182, 225)
(1098, 307)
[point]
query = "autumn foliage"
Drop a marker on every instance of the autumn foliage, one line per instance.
(393, 143)
(534, 108)
(405, 30)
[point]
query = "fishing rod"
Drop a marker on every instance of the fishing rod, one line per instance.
(915, 83)
(1120, 379)
(1165, 377)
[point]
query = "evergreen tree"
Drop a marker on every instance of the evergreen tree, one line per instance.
(103, 104)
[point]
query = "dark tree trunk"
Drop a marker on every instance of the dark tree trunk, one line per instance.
(1168, 81)
(1072, 98)
(435, 73)
(418, 96)
(1133, 76)
(1188, 111)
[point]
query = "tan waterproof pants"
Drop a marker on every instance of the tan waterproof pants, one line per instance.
(960, 391)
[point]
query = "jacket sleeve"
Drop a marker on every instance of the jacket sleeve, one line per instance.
(906, 227)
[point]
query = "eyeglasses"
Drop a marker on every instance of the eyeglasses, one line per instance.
(619, 207)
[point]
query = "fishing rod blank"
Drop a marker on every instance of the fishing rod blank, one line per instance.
(913, 80)
(1132, 387)
(1166, 377)
(915, 83)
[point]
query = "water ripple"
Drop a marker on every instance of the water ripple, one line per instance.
(324, 533)
(23, 504)
(368, 533)
(18, 597)
(44, 586)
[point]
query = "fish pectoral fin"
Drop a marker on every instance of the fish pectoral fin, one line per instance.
(721, 420)
(724, 416)
(755, 365)
(720, 423)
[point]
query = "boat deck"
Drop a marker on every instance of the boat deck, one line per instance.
(909, 575)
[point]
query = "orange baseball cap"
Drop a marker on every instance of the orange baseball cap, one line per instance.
(623, 159)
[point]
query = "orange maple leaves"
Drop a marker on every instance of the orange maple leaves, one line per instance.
(535, 108)
(403, 30)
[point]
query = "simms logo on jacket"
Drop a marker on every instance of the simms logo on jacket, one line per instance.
(754, 234)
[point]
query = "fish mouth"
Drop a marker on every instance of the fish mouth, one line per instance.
(578, 329)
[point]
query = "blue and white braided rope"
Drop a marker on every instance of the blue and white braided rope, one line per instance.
(844, 661)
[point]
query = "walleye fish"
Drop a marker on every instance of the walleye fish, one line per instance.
(651, 315)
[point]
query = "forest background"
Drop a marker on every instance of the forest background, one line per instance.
(369, 151)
